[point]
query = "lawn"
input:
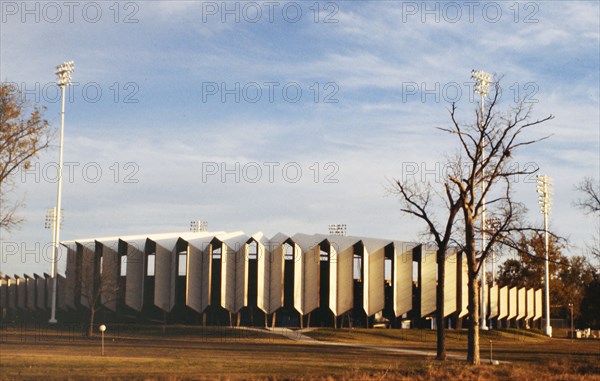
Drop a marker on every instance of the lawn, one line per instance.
(148, 353)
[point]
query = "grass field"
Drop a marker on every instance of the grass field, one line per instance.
(148, 353)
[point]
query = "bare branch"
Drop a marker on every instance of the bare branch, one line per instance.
(590, 204)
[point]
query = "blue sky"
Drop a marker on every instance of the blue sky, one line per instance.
(375, 81)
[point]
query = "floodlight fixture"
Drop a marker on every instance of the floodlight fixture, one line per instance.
(338, 229)
(482, 81)
(49, 221)
(544, 184)
(63, 72)
(198, 226)
(51, 217)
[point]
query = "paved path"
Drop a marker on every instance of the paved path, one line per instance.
(299, 335)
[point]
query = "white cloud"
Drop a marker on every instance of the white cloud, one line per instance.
(370, 134)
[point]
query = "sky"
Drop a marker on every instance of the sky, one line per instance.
(282, 116)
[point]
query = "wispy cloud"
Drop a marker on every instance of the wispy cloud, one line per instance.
(393, 72)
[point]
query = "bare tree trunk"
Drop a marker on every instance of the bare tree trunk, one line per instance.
(473, 345)
(91, 328)
(439, 301)
(473, 292)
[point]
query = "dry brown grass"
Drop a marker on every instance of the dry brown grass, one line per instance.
(227, 355)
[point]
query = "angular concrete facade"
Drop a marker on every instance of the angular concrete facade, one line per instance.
(165, 274)
(40, 292)
(463, 286)
(513, 303)
(427, 279)
(199, 270)
(306, 273)
(539, 305)
(12, 292)
(73, 277)
(402, 278)
(21, 292)
(503, 303)
(90, 272)
(109, 274)
(31, 293)
(530, 304)
(234, 272)
(374, 278)
(270, 258)
(521, 303)
(494, 302)
(341, 277)
(4, 292)
(451, 285)
(135, 251)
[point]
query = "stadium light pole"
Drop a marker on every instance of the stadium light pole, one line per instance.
(543, 188)
(63, 72)
(572, 327)
(494, 223)
(482, 85)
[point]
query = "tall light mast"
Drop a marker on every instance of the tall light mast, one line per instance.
(63, 81)
(543, 188)
(482, 85)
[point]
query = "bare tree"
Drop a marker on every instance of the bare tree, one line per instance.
(22, 136)
(487, 148)
(590, 204)
(418, 202)
(478, 178)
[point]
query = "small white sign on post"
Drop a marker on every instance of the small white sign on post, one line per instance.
(102, 328)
